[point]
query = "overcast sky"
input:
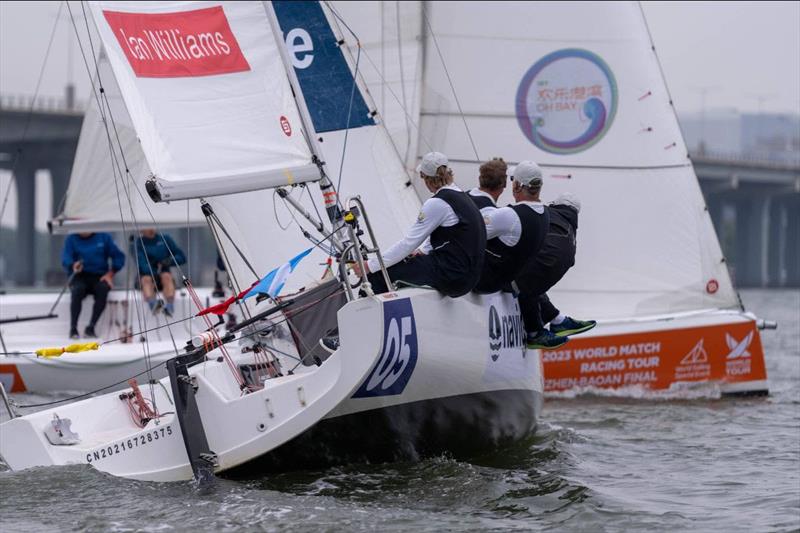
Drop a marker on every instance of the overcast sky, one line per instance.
(739, 52)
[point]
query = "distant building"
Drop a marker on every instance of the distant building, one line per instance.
(729, 133)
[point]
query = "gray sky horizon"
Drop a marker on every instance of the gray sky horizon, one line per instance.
(743, 55)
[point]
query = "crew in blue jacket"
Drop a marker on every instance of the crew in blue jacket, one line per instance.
(156, 253)
(85, 257)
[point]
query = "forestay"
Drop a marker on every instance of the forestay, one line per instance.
(207, 92)
(583, 97)
(101, 196)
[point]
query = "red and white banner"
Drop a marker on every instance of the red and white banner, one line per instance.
(728, 353)
(181, 44)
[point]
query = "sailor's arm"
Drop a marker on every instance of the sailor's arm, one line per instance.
(502, 222)
(431, 216)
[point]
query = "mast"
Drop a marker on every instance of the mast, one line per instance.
(325, 184)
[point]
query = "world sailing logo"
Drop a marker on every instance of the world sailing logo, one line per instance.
(391, 373)
(567, 101)
(177, 45)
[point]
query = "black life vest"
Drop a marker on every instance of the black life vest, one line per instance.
(458, 249)
(503, 262)
(481, 201)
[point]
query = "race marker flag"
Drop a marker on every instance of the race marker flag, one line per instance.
(270, 284)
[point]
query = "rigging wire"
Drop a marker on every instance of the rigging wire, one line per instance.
(449, 80)
(402, 77)
(18, 154)
(384, 82)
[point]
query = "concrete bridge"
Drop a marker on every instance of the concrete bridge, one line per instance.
(755, 205)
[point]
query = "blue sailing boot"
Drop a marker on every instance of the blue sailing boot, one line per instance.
(544, 340)
(570, 326)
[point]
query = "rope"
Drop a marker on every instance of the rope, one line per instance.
(450, 81)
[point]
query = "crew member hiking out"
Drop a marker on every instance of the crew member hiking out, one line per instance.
(156, 253)
(85, 258)
(492, 179)
(443, 249)
(554, 259)
(515, 233)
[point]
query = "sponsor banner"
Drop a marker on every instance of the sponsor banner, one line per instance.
(726, 353)
(10, 378)
(398, 355)
(323, 73)
(177, 45)
(506, 341)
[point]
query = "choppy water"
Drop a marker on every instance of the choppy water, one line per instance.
(596, 464)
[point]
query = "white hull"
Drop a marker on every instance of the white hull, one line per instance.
(398, 351)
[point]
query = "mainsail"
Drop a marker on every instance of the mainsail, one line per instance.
(101, 196)
(587, 101)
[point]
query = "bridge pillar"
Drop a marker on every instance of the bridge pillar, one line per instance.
(59, 177)
(792, 250)
(25, 178)
(751, 219)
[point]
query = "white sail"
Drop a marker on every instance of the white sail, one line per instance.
(371, 167)
(100, 197)
(207, 92)
(587, 101)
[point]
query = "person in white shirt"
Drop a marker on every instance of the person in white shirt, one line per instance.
(516, 232)
(492, 180)
(444, 248)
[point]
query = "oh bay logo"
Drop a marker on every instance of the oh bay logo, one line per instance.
(391, 373)
(567, 101)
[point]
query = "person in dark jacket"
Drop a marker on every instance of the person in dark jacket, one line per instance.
(516, 232)
(85, 258)
(156, 253)
(554, 259)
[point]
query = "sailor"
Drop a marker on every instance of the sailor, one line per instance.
(85, 258)
(514, 233)
(492, 179)
(555, 258)
(453, 233)
(156, 253)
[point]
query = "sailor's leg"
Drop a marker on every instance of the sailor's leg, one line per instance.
(78, 291)
(417, 270)
(547, 309)
(531, 312)
(148, 290)
(100, 290)
(168, 290)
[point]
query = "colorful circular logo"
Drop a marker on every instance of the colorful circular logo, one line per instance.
(566, 101)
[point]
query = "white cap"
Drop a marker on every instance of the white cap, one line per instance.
(431, 163)
(527, 173)
(569, 199)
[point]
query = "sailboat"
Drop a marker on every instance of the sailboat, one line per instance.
(238, 104)
(544, 81)
(100, 197)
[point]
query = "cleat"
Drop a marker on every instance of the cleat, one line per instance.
(570, 326)
(89, 332)
(73, 334)
(544, 340)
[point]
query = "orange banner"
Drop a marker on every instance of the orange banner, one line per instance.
(725, 353)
